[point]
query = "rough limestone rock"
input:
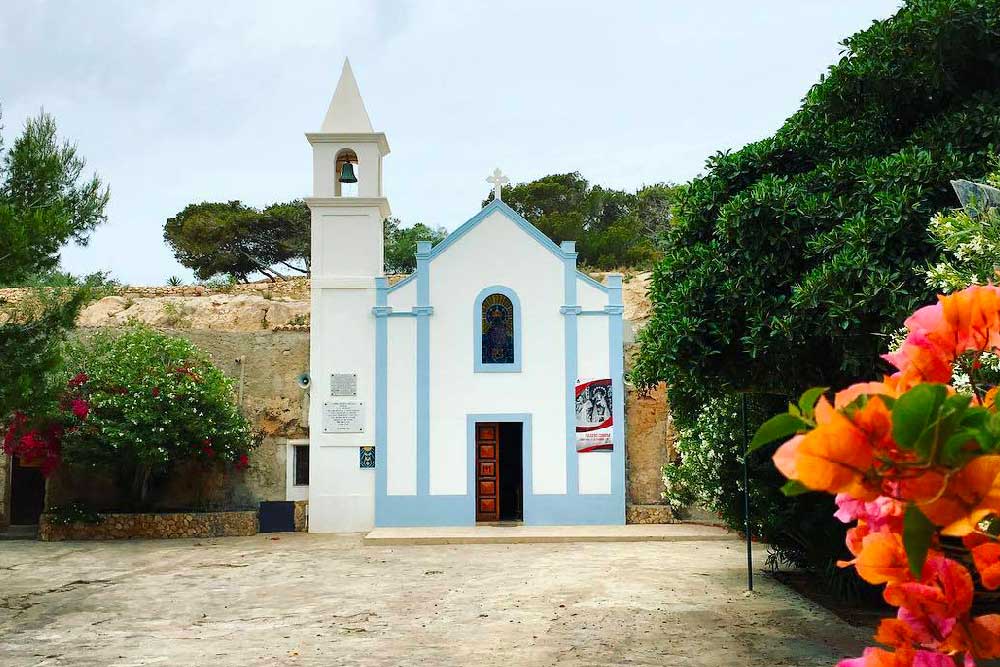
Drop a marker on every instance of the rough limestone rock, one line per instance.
(220, 312)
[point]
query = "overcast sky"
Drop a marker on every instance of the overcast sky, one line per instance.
(176, 102)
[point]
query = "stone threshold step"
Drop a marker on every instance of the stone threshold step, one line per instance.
(674, 532)
(19, 533)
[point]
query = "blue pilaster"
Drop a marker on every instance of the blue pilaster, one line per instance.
(570, 310)
(381, 312)
(615, 310)
(423, 311)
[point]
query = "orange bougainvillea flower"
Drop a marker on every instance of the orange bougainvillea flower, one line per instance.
(845, 397)
(986, 557)
(833, 457)
(882, 559)
(979, 636)
(972, 494)
(964, 321)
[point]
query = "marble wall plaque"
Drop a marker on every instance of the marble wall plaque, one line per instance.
(344, 417)
(343, 384)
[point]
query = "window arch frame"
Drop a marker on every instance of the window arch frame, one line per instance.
(477, 328)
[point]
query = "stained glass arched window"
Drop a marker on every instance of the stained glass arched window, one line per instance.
(497, 331)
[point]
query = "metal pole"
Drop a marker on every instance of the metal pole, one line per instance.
(746, 491)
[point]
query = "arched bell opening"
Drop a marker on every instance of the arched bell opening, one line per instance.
(347, 174)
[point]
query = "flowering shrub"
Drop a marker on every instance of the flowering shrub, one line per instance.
(137, 403)
(917, 466)
(969, 245)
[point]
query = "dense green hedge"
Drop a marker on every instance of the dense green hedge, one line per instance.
(789, 262)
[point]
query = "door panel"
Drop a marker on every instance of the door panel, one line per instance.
(487, 473)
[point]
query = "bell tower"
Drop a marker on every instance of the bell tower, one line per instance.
(348, 208)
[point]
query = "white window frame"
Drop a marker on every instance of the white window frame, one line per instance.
(294, 491)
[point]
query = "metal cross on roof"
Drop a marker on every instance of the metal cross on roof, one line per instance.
(498, 180)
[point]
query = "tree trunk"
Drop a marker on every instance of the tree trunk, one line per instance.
(139, 495)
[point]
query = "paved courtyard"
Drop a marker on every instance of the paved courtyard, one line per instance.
(324, 600)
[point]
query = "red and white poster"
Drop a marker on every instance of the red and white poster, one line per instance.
(594, 421)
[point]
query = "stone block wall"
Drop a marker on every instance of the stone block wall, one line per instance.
(152, 526)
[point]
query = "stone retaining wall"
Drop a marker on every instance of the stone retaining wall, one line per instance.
(647, 514)
(152, 526)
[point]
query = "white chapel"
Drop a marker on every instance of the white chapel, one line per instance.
(486, 387)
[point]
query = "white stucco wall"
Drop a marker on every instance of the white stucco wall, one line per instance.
(495, 252)
(401, 475)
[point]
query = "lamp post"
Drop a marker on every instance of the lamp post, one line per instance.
(746, 490)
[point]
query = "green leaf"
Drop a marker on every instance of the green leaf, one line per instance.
(794, 488)
(807, 402)
(917, 534)
(914, 412)
(955, 452)
(779, 426)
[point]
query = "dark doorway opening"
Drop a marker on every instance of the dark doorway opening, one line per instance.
(511, 472)
(27, 494)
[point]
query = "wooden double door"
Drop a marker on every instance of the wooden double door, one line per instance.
(499, 488)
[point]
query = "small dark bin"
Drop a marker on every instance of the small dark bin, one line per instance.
(277, 516)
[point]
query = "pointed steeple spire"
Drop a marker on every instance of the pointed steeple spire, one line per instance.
(347, 113)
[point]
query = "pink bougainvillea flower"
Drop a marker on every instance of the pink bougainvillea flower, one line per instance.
(78, 379)
(80, 408)
(876, 657)
(943, 592)
(883, 513)
(919, 360)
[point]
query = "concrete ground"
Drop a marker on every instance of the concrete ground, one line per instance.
(324, 600)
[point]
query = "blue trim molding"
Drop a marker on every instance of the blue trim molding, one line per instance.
(477, 332)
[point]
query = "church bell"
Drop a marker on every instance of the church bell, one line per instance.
(347, 174)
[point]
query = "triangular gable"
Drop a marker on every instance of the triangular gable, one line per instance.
(497, 206)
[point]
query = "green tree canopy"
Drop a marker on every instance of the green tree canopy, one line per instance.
(401, 244)
(612, 228)
(44, 203)
(237, 240)
(790, 259)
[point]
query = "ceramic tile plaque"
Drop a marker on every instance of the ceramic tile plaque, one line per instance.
(343, 384)
(367, 457)
(344, 417)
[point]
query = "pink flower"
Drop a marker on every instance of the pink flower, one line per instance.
(78, 380)
(80, 408)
